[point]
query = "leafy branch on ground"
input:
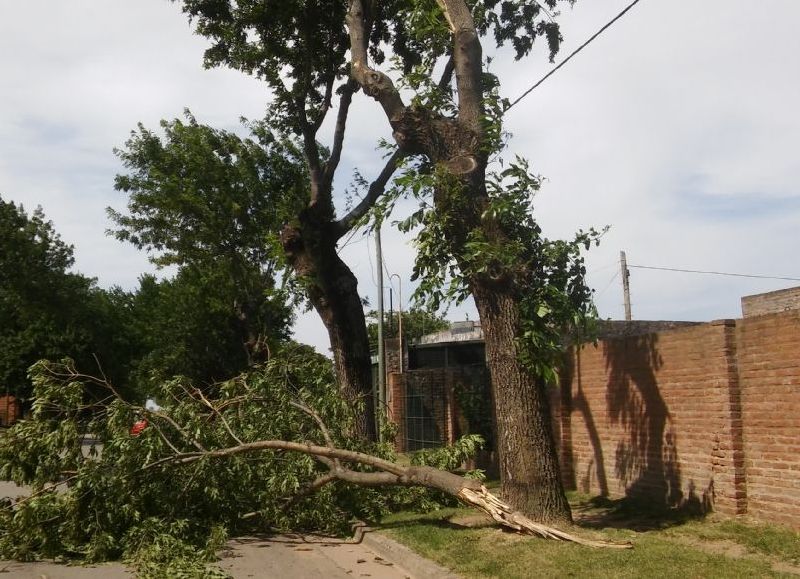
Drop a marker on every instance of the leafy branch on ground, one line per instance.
(269, 450)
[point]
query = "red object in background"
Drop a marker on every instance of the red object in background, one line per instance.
(138, 426)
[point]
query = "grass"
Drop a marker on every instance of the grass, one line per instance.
(666, 544)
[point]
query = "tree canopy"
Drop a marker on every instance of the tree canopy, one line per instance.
(47, 311)
(211, 203)
(417, 322)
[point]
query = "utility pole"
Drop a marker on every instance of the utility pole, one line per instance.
(626, 287)
(399, 317)
(379, 409)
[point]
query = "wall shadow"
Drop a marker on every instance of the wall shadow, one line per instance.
(646, 461)
(577, 402)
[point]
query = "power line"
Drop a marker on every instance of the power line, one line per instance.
(574, 52)
(715, 272)
(608, 285)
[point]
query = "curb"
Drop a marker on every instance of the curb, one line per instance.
(418, 566)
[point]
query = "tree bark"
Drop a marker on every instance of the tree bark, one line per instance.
(310, 247)
(530, 476)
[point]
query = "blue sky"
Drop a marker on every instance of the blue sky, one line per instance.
(679, 128)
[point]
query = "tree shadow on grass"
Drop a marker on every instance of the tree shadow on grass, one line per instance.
(636, 514)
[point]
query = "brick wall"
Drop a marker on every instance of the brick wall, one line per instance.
(771, 302)
(9, 410)
(703, 417)
(769, 373)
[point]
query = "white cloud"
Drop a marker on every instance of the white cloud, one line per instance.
(678, 127)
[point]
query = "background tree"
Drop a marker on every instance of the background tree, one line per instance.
(417, 322)
(299, 50)
(206, 194)
(46, 311)
(208, 201)
(187, 326)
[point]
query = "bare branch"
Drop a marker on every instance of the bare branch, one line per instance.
(219, 415)
(326, 105)
(338, 136)
(177, 427)
(468, 491)
(447, 74)
(317, 419)
(467, 55)
(164, 437)
(374, 83)
(376, 189)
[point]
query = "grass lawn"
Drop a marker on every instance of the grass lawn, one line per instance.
(666, 544)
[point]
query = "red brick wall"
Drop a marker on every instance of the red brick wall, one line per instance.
(649, 417)
(706, 416)
(9, 410)
(769, 372)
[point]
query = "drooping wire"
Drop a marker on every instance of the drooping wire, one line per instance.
(573, 53)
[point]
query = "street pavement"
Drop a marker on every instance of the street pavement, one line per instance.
(275, 557)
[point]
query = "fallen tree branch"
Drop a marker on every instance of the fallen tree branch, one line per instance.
(467, 491)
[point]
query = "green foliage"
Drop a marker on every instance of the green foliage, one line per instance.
(417, 322)
(188, 326)
(199, 195)
(212, 203)
(46, 310)
(121, 495)
(547, 277)
(449, 457)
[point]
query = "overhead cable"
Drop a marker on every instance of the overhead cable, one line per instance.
(574, 52)
(716, 272)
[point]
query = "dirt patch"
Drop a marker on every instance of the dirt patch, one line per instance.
(734, 550)
(787, 568)
(730, 549)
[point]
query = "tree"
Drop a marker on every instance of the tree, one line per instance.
(479, 231)
(46, 310)
(272, 450)
(208, 201)
(417, 322)
(188, 326)
(204, 193)
(477, 235)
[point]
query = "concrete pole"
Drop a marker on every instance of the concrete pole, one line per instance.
(380, 406)
(626, 288)
(399, 317)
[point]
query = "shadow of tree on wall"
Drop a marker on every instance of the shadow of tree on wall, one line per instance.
(577, 402)
(639, 429)
(646, 460)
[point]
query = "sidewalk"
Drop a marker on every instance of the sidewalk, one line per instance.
(290, 556)
(277, 557)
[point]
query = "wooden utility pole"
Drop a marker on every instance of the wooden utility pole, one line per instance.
(626, 288)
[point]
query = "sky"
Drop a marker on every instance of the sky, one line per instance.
(679, 128)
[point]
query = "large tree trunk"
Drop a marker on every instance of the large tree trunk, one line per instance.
(529, 469)
(530, 476)
(333, 291)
